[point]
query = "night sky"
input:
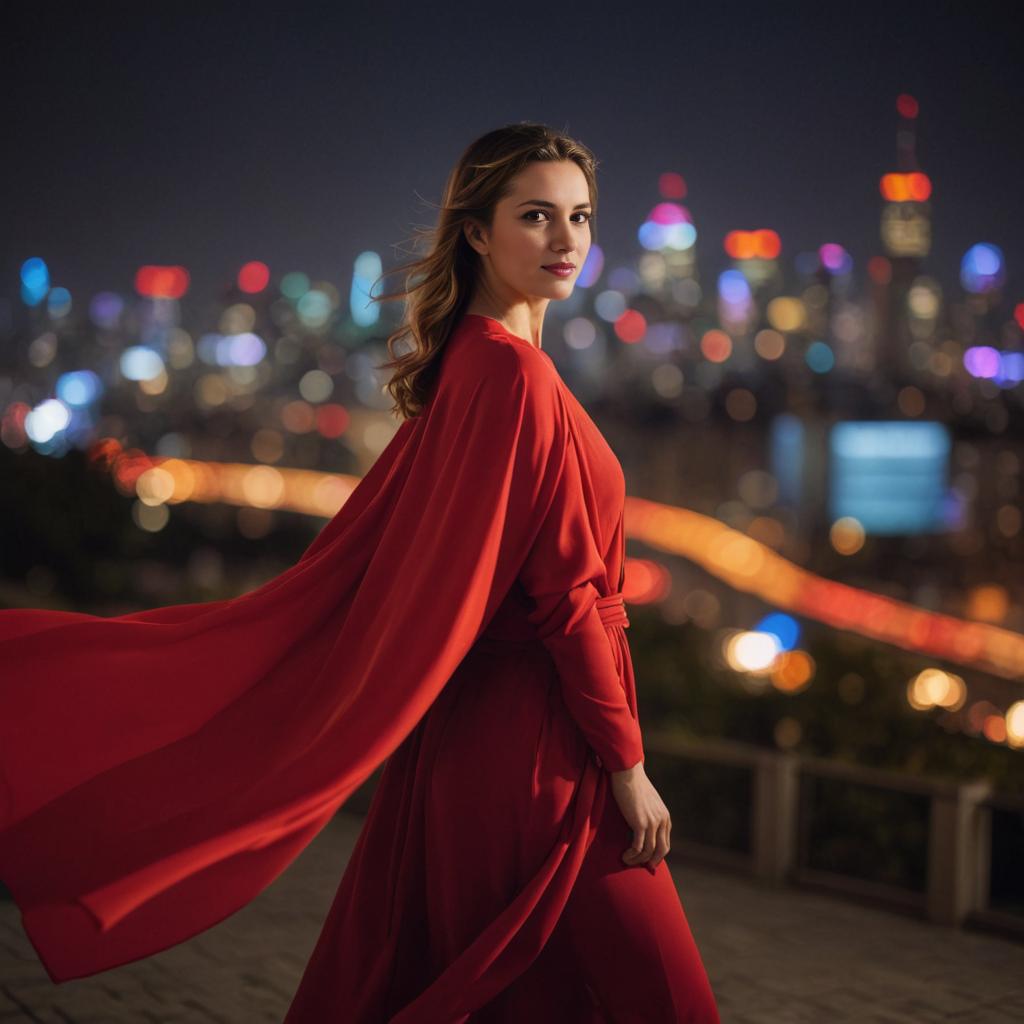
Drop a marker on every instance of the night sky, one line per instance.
(301, 135)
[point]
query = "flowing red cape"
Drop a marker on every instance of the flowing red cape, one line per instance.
(159, 769)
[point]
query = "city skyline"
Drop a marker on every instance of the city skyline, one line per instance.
(226, 153)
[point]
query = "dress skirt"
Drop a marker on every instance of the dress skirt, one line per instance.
(474, 807)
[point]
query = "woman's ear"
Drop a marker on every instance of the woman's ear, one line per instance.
(475, 236)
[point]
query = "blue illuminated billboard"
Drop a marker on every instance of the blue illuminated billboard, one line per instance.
(891, 476)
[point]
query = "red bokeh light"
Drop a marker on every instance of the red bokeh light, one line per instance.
(253, 277)
(12, 424)
(631, 326)
(129, 465)
(161, 282)
(104, 452)
(671, 185)
(646, 581)
(332, 420)
(879, 270)
(906, 105)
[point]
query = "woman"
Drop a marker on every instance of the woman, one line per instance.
(461, 619)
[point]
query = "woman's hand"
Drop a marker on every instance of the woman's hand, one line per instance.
(645, 813)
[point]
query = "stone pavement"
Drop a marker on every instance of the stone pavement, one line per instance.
(774, 956)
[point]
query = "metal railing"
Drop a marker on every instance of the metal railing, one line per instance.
(762, 815)
(945, 828)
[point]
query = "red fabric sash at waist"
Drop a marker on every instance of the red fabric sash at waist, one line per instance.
(611, 608)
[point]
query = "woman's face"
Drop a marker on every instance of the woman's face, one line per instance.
(545, 220)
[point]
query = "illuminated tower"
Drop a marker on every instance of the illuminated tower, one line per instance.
(906, 237)
(668, 267)
(754, 279)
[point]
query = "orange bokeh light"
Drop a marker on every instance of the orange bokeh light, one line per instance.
(763, 244)
(716, 346)
(914, 187)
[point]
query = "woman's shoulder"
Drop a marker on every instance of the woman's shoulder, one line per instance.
(481, 348)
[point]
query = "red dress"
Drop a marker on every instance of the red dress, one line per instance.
(459, 617)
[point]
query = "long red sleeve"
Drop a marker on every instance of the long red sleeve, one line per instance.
(571, 629)
(559, 575)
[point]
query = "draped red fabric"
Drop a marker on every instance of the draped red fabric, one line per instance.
(159, 769)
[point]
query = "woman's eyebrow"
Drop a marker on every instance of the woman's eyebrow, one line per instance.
(544, 202)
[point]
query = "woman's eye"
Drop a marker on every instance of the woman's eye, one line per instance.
(579, 213)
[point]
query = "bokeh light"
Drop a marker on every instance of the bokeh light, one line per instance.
(253, 277)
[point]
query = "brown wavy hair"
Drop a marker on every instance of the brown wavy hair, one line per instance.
(440, 283)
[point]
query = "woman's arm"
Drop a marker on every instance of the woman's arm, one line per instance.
(570, 627)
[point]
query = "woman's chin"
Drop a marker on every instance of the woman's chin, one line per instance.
(559, 287)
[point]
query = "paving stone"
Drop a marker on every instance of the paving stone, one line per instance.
(775, 955)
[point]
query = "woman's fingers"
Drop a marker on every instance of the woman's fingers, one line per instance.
(650, 844)
(663, 844)
(649, 821)
(645, 842)
(637, 846)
